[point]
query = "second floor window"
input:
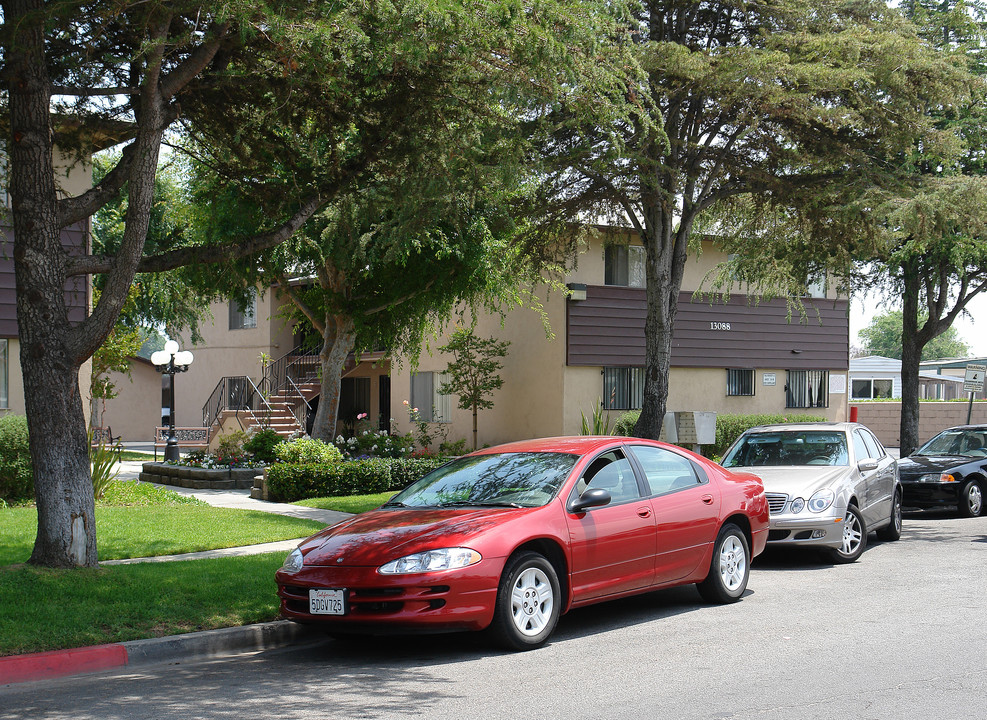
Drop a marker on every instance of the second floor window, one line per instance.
(244, 316)
(624, 265)
(740, 381)
(807, 389)
(623, 388)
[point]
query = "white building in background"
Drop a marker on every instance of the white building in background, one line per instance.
(879, 378)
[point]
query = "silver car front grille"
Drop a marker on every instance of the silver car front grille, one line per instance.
(776, 502)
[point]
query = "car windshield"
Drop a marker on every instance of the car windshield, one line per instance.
(793, 447)
(503, 479)
(956, 442)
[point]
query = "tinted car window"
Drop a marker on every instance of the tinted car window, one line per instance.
(664, 470)
(860, 448)
(526, 479)
(956, 442)
(874, 449)
(790, 447)
(612, 472)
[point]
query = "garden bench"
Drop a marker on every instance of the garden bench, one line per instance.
(188, 437)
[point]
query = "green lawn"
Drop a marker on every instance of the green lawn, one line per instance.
(348, 503)
(42, 609)
(141, 520)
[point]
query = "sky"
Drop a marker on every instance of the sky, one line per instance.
(972, 328)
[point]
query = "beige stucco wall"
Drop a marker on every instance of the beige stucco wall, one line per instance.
(531, 401)
(542, 396)
(228, 353)
(136, 410)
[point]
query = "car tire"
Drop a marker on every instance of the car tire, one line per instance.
(892, 531)
(529, 602)
(730, 568)
(854, 538)
(971, 500)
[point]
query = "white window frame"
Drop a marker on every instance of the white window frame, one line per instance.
(624, 264)
(437, 407)
(245, 318)
(870, 394)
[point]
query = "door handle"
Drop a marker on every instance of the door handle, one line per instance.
(708, 499)
(644, 512)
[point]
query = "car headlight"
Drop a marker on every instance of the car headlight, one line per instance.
(293, 563)
(431, 560)
(797, 505)
(937, 478)
(821, 500)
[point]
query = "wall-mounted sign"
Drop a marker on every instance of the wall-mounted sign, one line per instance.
(769, 379)
(837, 384)
(719, 326)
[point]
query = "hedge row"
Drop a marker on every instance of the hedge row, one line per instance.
(728, 427)
(289, 482)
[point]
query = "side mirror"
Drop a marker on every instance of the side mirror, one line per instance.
(867, 465)
(591, 497)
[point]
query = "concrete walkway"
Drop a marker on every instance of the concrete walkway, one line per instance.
(240, 499)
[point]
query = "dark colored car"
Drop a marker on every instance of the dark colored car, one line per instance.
(511, 537)
(948, 471)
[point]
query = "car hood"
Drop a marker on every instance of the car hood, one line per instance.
(915, 465)
(374, 538)
(798, 480)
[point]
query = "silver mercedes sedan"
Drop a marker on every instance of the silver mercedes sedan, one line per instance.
(828, 484)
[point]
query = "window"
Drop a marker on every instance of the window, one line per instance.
(665, 471)
(807, 388)
(432, 405)
(243, 317)
(740, 382)
(612, 472)
(624, 265)
(816, 286)
(872, 389)
(3, 373)
(623, 388)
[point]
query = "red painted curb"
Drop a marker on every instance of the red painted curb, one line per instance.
(57, 663)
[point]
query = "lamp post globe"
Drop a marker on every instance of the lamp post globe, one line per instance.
(170, 361)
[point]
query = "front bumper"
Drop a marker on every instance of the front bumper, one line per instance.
(806, 528)
(930, 494)
(429, 602)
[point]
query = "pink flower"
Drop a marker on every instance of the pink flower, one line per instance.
(415, 409)
(361, 416)
(405, 402)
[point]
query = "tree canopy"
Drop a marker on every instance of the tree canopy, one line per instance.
(883, 337)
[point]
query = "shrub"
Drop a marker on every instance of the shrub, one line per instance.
(231, 445)
(288, 482)
(730, 427)
(307, 451)
(450, 448)
(16, 474)
(375, 443)
(626, 422)
(262, 445)
(104, 469)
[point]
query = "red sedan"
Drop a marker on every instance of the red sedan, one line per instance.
(510, 537)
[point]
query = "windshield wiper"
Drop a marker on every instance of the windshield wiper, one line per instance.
(474, 503)
(395, 503)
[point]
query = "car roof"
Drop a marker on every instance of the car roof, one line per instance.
(574, 444)
(794, 427)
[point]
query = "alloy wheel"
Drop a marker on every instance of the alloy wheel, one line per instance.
(532, 601)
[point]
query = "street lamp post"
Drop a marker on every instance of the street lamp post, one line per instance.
(168, 362)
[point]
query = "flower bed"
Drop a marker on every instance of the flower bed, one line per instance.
(200, 478)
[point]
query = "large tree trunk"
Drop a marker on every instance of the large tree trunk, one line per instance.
(911, 356)
(56, 423)
(339, 340)
(665, 253)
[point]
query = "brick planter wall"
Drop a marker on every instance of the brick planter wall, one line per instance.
(199, 478)
(884, 418)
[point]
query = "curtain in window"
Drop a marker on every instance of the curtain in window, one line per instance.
(807, 388)
(623, 388)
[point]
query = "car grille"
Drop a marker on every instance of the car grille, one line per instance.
(776, 502)
(374, 601)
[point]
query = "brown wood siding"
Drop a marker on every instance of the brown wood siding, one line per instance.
(74, 240)
(608, 329)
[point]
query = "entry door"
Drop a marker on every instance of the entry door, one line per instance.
(613, 546)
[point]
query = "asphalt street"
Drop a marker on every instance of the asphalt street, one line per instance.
(899, 634)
